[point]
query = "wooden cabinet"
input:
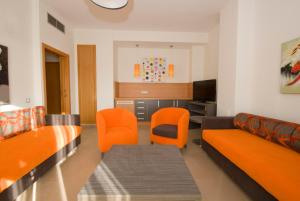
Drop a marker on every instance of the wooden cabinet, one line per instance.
(144, 109)
(182, 103)
(198, 110)
(126, 104)
(166, 103)
(141, 110)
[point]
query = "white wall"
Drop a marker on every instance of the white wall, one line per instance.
(19, 23)
(104, 40)
(212, 55)
(198, 60)
(251, 34)
(61, 41)
(273, 25)
(128, 56)
(227, 59)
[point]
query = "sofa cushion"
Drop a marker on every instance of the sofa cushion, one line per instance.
(20, 154)
(282, 133)
(241, 120)
(295, 140)
(165, 130)
(254, 125)
(272, 166)
(14, 122)
(267, 128)
(38, 116)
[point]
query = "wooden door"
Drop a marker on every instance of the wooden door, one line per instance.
(86, 55)
(65, 84)
(53, 88)
(64, 70)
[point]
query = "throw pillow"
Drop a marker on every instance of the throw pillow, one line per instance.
(295, 140)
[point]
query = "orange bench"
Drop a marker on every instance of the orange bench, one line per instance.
(25, 157)
(264, 150)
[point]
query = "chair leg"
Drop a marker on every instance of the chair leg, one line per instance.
(102, 155)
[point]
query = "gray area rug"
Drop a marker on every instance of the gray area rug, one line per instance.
(141, 172)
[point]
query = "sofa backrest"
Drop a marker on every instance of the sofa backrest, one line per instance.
(21, 120)
(281, 132)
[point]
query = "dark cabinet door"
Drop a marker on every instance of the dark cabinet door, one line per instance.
(152, 108)
(141, 110)
(182, 103)
(167, 103)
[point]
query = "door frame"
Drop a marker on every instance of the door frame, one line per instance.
(64, 65)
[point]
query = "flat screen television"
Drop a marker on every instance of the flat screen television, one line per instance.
(204, 90)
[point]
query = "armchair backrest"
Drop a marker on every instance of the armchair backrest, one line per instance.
(117, 117)
(170, 115)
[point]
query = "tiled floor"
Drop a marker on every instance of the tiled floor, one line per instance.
(63, 182)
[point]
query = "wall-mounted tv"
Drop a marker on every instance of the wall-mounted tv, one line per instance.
(205, 90)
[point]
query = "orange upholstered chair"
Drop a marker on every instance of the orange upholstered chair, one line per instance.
(170, 126)
(116, 126)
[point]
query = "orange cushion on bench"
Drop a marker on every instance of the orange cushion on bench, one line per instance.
(20, 154)
(274, 167)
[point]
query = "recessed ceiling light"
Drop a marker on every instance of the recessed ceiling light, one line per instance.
(110, 4)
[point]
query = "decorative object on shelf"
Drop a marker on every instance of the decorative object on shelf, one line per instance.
(154, 69)
(4, 84)
(137, 72)
(290, 67)
(110, 4)
(171, 70)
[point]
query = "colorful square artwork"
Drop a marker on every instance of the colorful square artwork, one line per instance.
(290, 67)
(154, 69)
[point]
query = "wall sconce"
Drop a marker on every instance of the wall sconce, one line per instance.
(137, 70)
(171, 70)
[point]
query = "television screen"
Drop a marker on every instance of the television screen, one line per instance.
(204, 90)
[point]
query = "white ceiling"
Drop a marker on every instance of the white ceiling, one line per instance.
(156, 15)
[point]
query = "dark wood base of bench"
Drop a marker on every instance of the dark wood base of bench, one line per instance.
(11, 193)
(253, 189)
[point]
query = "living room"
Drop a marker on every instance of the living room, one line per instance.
(249, 49)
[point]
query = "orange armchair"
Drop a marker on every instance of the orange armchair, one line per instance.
(115, 126)
(170, 126)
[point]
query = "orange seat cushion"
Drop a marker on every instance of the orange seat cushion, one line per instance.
(119, 135)
(274, 167)
(20, 154)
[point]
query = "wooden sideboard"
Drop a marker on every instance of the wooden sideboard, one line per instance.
(144, 108)
(143, 99)
(154, 90)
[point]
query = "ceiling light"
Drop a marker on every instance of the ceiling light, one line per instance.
(110, 4)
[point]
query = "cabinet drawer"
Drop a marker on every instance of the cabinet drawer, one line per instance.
(140, 103)
(141, 117)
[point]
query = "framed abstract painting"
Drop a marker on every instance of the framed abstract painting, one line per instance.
(290, 67)
(154, 69)
(4, 84)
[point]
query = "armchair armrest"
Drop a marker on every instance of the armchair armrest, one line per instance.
(217, 123)
(58, 119)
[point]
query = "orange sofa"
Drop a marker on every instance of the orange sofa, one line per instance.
(174, 122)
(116, 126)
(259, 153)
(26, 156)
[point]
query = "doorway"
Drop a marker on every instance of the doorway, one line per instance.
(56, 80)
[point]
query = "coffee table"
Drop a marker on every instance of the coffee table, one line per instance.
(141, 173)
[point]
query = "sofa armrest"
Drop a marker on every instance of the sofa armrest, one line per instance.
(58, 119)
(217, 123)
